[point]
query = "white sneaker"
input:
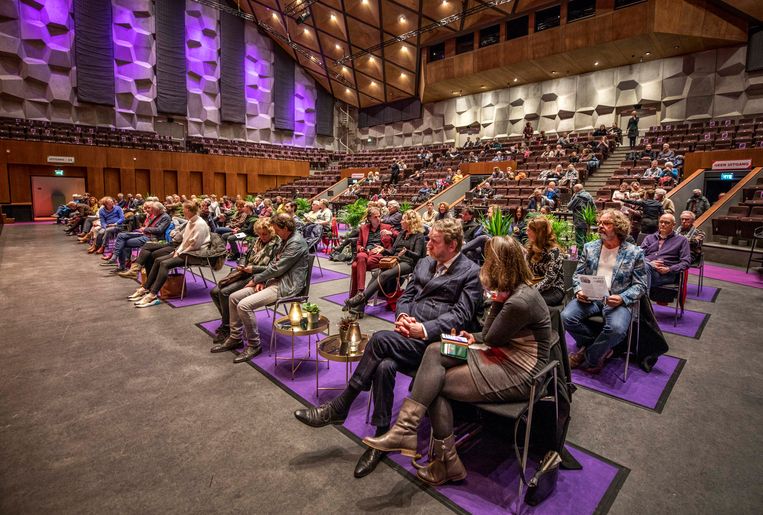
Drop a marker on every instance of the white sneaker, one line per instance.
(137, 294)
(141, 299)
(147, 301)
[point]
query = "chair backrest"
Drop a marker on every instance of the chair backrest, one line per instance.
(310, 262)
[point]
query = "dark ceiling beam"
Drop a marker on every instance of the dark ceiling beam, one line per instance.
(354, 73)
(381, 41)
(418, 50)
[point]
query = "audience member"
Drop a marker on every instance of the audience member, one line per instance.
(633, 129)
(257, 258)
(545, 260)
(695, 235)
(580, 201)
(284, 276)
(373, 238)
(408, 248)
(697, 203)
(666, 253)
(622, 266)
(668, 206)
(517, 334)
(442, 295)
(393, 216)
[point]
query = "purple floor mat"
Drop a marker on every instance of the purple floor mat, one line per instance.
(379, 311)
(731, 275)
(493, 475)
(195, 292)
(646, 390)
(708, 293)
(690, 324)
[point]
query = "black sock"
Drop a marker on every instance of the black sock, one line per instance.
(380, 430)
(345, 399)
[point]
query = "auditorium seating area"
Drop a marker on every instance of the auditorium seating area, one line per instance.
(741, 220)
(306, 187)
(692, 136)
(54, 132)
(319, 158)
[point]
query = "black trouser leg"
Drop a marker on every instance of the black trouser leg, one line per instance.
(220, 298)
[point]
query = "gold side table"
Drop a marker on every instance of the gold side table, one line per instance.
(331, 349)
(283, 326)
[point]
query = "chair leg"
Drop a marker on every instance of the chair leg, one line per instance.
(201, 273)
(368, 407)
(185, 268)
(526, 450)
(320, 267)
(749, 257)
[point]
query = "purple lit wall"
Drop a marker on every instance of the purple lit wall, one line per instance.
(134, 59)
(38, 73)
(203, 70)
(258, 68)
(36, 64)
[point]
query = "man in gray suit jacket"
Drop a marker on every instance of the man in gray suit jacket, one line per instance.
(285, 276)
(444, 294)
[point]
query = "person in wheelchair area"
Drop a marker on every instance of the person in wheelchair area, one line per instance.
(409, 248)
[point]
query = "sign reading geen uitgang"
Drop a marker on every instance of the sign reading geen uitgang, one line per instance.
(732, 164)
(61, 159)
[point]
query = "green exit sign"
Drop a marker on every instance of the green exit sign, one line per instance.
(727, 176)
(58, 172)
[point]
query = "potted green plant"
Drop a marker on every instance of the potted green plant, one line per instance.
(497, 224)
(354, 213)
(303, 206)
(312, 311)
(405, 206)
(589, 215)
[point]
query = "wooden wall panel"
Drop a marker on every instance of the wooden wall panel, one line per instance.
(112, 181)
(196, 184)
(219, 184)
(170, 182)
(5, 186)
(241, 182)
(694, 160)
(140, 171)
(143, 182)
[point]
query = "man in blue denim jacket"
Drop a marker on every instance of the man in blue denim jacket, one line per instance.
(622, 265)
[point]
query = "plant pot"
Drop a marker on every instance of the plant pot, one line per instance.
(313, 318)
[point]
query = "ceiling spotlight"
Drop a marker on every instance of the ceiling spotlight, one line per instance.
(404, 48)
(402, 75)
(373, 83)
(274, 15)
(365, 2)
(648, 53)
(515, 79)
(677, 47)
(344, 68)
(346, 90)
(554, 72)
(444, 2)
(402, 18)
(333, 17)
(483, 87)
(337, 46)
(306, 32)
(371, 59)
(596, 63)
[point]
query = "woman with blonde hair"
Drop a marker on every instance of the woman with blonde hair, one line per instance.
(517, 334)
(545, 260)
(408, 247)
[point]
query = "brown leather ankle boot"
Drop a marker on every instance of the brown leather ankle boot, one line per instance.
(445, 465)
(403, 435)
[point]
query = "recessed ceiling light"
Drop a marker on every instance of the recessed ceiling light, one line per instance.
(344, 68)
(483, 87)
(515, 79)
(648, 53)
(337, 46)
(402, 75)
(373, 83)
(274, 15)
(403, 48)
(677, 47)
(554, 72)
(402, 18)
(346, 90)
(365, 2)
(306, 32)
(333, 17)
(596, 63)
(371, 59)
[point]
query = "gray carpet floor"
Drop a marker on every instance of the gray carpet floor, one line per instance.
(105, 408)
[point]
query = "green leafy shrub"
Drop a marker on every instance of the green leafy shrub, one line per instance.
(496, 225)
(354, 213)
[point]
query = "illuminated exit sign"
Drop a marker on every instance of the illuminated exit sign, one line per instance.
(59, 172)
(727, 176)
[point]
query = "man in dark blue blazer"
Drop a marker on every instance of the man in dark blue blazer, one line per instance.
(444, 294)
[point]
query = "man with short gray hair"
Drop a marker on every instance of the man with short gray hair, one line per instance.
(393, 216)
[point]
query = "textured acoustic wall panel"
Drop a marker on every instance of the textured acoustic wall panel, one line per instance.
(258, 84)
(202, 70)
(695, 86)
(134, 60)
